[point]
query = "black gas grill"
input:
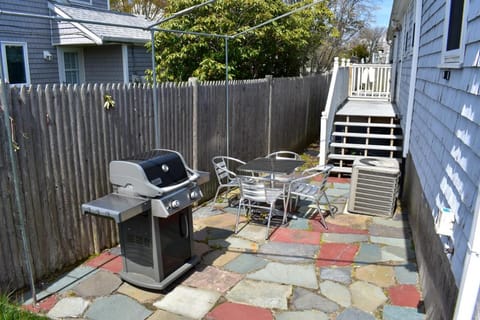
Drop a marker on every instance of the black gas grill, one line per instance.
(152, 205)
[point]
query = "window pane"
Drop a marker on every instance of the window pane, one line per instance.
(455, 24)
(15, 64)
(72, 72)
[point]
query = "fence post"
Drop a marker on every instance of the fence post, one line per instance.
(16, 186)
(269, 79)
(192, 81)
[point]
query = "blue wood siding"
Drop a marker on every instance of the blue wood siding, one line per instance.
(35, 32)
(103, 64)
(139, 60)
(445, 134)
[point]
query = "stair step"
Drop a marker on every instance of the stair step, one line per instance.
(366, 124)
(350, 157)
(367, 135)
(342, 169)
(365, 146)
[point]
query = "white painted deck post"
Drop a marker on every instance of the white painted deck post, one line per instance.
(324, 119)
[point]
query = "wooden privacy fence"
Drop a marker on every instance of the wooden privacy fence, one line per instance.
(65, 139)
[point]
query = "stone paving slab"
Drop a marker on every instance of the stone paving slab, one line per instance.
(404, 295)
(387, 231)
(389, 222)
(219, 221)
(165, 315)
(211, 278)
(253, 232)
(338, 274)
(117, 307)
(344, 238)
(336, 254)
(205, 233)
(100, 284)
(401, 313)
(336, 292)
(407, 273)
(382, 276)
(261, 294)
(304, 299)
(219, 258)
(397, 254)
(189, 302)
(369, 253)
(71, 307)
(288, 252)
(245, 263)
(142, 296)
(366, 296)
(234, 243)
(294, 274)
(396, 242)
(299, 224)
(355, 314)
(301, 315)
(296, 236)
(236, 311)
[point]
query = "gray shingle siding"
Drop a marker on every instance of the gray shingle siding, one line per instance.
(103, 64)
(139, 60)
(445, 136)
(35, 32)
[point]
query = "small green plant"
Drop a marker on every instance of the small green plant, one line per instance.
(9, 311)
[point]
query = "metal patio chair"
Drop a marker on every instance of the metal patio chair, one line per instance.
(284, 155)
(257, 193)
(225, 170)
(312, 186)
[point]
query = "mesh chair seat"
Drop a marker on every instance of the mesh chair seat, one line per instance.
(255, 192)
(301, 188)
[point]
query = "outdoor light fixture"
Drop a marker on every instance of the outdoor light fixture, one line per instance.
(47, 55)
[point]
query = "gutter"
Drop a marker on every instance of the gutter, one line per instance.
(413, 78)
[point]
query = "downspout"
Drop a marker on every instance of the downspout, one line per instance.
(126, 79)
(470, 283)
(413, 77)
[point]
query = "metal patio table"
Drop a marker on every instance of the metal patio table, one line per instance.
(273, 167)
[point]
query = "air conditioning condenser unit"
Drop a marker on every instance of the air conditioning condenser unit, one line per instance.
(374, 186)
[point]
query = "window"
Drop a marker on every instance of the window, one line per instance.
(15, 63)
(70, 65)
(72, 70)
(455, 24)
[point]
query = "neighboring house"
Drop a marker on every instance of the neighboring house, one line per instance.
(436, 63)
(44, 51)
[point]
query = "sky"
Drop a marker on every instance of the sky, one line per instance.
(382, 15)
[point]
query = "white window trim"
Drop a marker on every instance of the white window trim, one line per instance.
(61, 63)
(25, 59)
(453, 59)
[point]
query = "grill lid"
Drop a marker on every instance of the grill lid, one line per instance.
(151, 174)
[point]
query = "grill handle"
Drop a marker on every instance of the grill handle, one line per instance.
(183, 221)
(193, 176)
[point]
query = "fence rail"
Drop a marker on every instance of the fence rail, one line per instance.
(66, 138)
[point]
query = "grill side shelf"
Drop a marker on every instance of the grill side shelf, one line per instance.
(119, 208)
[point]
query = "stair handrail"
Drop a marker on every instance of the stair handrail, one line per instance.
(337, 95)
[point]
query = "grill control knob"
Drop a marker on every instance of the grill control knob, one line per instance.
(174, 204)
(194, 195)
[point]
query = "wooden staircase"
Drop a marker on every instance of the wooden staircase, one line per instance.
(356, 136)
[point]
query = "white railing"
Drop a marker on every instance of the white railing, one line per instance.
(370, 81)
(337, 95)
